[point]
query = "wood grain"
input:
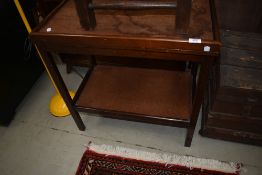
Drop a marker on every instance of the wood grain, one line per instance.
(162, 24)
(139, 91)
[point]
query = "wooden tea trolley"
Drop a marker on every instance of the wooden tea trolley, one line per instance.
(142, 81)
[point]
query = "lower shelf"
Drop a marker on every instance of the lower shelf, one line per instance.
(153, 93)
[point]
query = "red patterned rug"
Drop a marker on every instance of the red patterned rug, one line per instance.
(106, 161)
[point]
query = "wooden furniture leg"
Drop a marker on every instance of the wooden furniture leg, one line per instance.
(86, 16)
(68, 68)
(183, 12)
(198, 99)
(51, 66)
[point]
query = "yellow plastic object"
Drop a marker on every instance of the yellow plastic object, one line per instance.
(57, 105)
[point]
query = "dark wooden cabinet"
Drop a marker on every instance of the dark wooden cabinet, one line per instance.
(233, 104)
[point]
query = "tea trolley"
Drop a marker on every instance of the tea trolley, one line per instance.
(156, 57)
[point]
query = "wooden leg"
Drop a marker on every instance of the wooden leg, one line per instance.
(204, 114)
(58, 80)
(86, 15)
(183, 12)
(68, 68)
(189, 136)
(199, 96)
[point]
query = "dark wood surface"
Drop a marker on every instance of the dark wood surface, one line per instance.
(233, 105)
(232, 135)
(87, 10)
(146, 95)
(125, 35)
(239, 77)
(133, 5)
(240, 15)
(84, 60)
(183, 15)
(66, 21)
(242, 40)
(241, 57)
(234, 123)
(139, 32)
(142, 63)
(137, 90)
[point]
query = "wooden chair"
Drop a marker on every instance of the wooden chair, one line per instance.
(86, 10)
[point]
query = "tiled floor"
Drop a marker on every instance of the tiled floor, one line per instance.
(38, 143)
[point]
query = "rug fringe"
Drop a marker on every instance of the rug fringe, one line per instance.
(187, 161)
